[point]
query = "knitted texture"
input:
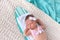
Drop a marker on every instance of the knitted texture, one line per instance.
(8, 26)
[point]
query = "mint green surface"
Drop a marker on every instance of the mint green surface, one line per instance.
(18, 12)
(50, 7)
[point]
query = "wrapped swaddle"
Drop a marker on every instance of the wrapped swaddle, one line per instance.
(22, 25)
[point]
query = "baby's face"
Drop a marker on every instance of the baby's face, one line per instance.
(30, 24)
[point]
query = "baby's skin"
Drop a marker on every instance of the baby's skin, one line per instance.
(31, 26)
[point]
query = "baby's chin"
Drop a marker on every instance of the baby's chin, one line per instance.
(33, 28)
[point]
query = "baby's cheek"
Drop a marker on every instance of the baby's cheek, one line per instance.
(32, 25)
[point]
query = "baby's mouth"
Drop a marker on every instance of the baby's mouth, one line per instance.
(33, 28)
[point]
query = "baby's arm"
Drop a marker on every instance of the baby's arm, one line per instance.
(27, 32)
(40, 23)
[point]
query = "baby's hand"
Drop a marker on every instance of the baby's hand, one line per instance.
(27, 32)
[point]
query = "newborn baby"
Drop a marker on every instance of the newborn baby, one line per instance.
(34, 27)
